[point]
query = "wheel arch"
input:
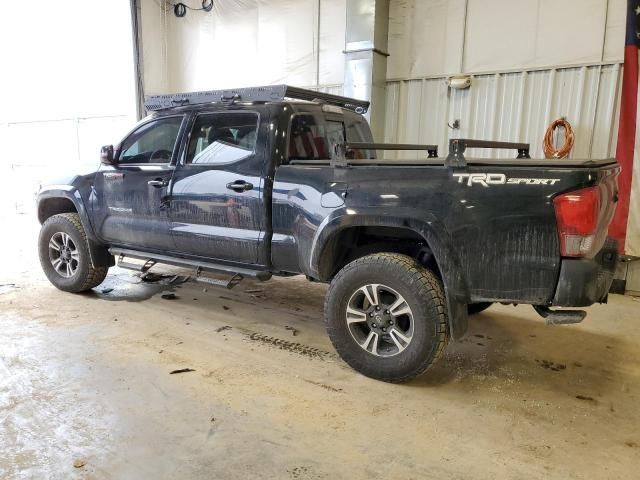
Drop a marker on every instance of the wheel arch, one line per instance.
(434, 243)
(67, 199)
(51, 206)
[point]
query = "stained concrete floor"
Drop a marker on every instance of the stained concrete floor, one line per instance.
(85, 379)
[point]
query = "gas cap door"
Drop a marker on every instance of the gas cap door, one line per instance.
(333, 195)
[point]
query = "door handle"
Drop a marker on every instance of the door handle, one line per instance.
(158, 183)
(240, 186)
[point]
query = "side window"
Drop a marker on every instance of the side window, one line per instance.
(219, 138)
(152, 143)
(311, 137)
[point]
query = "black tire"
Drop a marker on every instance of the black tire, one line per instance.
(420, 289)
(85, 275)
(474, 308)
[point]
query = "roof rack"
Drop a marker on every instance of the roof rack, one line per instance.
(270, 93)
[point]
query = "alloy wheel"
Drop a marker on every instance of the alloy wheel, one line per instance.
(380, 320)
(63, 254)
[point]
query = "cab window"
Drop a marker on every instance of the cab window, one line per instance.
(311, 137)
(220, 138)
(153, 142)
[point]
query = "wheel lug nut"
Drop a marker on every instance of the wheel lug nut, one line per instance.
(373, 325)
(377, 308)
(384, 329)
(390, 322)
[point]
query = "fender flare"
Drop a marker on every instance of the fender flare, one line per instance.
(99, 254)
(428, 227)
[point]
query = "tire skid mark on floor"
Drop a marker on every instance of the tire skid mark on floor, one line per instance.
(292, 347)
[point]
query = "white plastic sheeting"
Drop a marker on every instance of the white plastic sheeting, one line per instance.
(243, 43)
(441, 37)
(504, 34)
(250, 42)
(425, 37)
(514, 106)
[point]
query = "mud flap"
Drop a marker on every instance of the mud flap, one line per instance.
(100, 256)
(458, 317)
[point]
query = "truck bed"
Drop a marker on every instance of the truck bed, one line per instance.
(494, 218)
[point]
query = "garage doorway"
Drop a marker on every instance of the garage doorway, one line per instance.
(68, 89)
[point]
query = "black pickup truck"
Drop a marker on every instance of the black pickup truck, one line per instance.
(282, 181)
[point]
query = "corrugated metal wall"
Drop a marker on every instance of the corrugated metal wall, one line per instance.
(509, 106)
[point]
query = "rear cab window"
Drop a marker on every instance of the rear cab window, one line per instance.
(312, 135)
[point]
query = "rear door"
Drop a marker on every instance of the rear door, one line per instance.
(217, 208)
(130, 197)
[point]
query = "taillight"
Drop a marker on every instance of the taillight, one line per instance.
(577, 215)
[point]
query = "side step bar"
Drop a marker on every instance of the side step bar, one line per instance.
(151, 259)
(559, 317)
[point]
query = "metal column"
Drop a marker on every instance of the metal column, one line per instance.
(136, 37)
(365, 68)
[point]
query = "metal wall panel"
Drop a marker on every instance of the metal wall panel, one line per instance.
(513, 106)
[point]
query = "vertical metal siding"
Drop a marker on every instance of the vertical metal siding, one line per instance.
(514, 106)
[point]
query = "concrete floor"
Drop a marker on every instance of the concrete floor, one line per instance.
(85, 379)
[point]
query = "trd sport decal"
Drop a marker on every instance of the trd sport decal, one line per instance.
(486, 179)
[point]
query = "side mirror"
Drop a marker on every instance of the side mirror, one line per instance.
(106, 154)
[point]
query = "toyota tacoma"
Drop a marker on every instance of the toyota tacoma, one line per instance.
(283, 181)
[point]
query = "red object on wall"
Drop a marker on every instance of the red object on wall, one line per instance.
(627, 128)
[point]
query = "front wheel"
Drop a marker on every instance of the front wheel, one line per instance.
(64, 254)
(386, 316)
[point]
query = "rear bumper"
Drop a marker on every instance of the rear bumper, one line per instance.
(584, 281)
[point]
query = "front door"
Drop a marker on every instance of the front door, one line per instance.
(130, 197)
(216, 198)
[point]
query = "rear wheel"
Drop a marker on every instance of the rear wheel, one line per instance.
(474, 308)
(64, 254)
(386, 316)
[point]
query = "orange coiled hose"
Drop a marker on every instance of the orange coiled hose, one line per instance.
(549, 150)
